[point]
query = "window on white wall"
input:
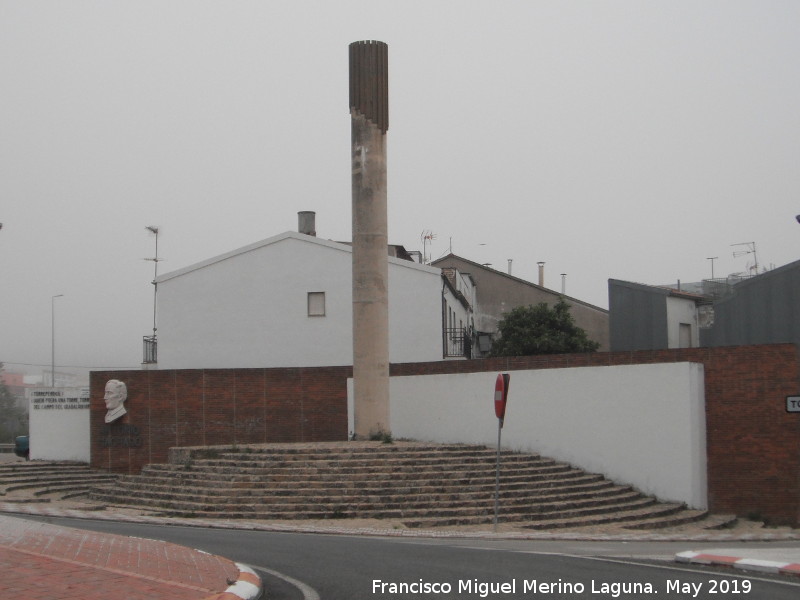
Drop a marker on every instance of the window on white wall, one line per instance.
(316, 304)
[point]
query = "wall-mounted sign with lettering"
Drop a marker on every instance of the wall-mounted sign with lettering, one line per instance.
(59, 423)
(58, 398)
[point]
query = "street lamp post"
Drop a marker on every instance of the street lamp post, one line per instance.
(150, 348)
(53, 339)
(154, 230)
(712, 259)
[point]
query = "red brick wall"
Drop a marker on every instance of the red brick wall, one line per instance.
(753, 444)
(215, 406)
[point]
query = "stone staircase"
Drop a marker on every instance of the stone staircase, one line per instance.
(43, 481)
(420, 485)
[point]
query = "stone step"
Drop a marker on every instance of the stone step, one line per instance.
(29, 465)
(41, 470)
(227, 473)
(531, 491)
(521, 484)
(333, 477)
(323, 449)
(179, 458)
(428, 517)
(557, 517)
(463, 498)
(623, 516)
(422, 485)
(320, 467)
(40, 478)
(31, 480)
(370, 507)
(683, 517)
(365, 461)
(78, 488)
(719, 521)
(85, 480)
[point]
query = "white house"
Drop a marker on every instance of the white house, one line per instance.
(286, 301)
(458, 304)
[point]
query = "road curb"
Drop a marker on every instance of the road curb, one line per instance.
(745, 564)
(247, 587)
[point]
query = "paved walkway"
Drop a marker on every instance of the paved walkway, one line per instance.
(47, 562)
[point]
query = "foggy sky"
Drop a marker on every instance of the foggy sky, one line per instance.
(627, 139)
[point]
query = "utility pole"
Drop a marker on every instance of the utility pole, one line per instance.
(53, 339)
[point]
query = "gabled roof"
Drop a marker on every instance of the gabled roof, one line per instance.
(449, 279)
(476, 267)
(288, 235)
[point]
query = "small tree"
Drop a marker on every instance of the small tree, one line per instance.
(528, 330)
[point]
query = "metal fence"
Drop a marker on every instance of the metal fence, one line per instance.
(150, 350)
(457, 343)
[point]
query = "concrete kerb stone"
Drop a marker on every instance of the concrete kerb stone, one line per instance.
(247, 587)
(744, 564)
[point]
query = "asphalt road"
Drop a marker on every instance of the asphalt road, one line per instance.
(332, 567)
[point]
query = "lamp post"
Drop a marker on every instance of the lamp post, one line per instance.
(53, 339)
(712, 259)
(154, 230)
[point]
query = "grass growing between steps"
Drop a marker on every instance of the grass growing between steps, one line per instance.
(385, 437)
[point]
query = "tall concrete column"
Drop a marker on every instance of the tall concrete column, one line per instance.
(369, 115)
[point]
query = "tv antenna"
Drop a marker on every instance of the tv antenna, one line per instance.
(751, 249)
(427, 237)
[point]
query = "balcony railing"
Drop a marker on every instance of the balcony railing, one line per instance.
(457, 343)
(150, 350)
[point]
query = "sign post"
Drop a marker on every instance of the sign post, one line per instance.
(500, 400)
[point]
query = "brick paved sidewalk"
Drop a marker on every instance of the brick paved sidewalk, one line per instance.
(47, 562)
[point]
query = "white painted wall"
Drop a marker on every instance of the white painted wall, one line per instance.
(59, 423)
(415, 312)
(681, 310)
(248, 308)
(642, 425)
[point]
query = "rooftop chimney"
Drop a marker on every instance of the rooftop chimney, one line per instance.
(541, 273)
(306, 222)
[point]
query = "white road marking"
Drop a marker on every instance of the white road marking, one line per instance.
(667, 567)
(308, 592)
